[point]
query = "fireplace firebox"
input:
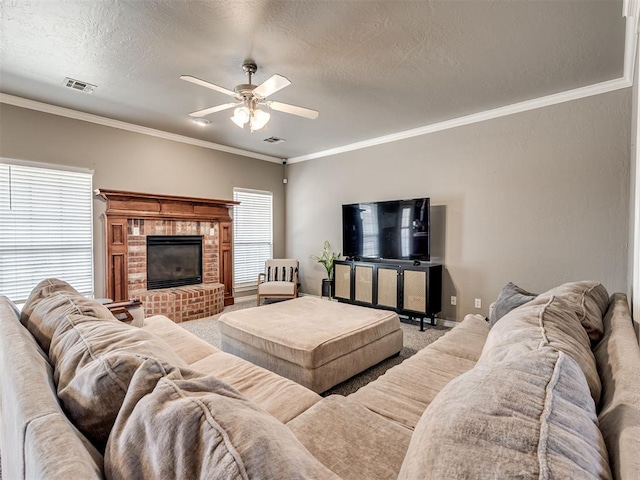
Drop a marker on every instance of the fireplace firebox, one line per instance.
(173, 260)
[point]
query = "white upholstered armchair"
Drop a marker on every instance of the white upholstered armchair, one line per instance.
(279, 280)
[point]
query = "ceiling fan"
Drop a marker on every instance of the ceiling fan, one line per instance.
(249, 97)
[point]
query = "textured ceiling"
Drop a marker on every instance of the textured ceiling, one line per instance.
(371, 68)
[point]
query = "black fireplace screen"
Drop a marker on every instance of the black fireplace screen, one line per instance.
(173, 260)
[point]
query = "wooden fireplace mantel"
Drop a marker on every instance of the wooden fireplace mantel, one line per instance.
(123, 206)
(145, 205)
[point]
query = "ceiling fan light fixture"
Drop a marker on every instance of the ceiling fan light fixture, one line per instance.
(259, 119)
(248, 97)
(235, 120)
(202, 122)
(241, 115)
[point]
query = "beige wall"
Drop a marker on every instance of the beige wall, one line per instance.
(537, 198)
(129, 161)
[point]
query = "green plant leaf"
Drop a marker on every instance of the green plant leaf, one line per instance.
(327, 258)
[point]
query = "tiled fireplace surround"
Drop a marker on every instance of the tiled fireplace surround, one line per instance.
(178, 303)
(130, 217)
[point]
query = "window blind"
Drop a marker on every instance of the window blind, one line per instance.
(46, 229)
(252, 235)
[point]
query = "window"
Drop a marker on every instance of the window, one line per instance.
(370, 232)
(405, 232)
(46, 229)
(252, 235)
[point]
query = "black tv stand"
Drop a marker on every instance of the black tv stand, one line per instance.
(410, 289)
(388, 261)
(365, 259)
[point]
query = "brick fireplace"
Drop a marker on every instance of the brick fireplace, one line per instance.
(131, 217)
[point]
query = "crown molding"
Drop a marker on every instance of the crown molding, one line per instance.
(109, 122)
(631, 8)
(554, 99)
(630, 11)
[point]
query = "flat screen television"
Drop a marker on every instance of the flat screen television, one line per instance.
(392, 230)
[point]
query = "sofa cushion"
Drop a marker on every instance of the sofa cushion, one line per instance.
(92, 382)
(529, 416)
(511, 296)
(277, 288)
(547, 320)
(466, 340)
(50, 303)
(404, 392)
(589, 300)
(352, 441)
(279, 396)
(45, 288)
(618, 359)
(192, 426)
(184, 343)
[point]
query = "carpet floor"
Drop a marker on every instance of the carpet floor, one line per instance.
(414, 340)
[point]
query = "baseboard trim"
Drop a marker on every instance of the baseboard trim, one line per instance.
(440, 322)
(448, 323)
(245, 299)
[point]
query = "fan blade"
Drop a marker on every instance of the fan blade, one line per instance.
(286, 108)
(212, 86)
(272, 85)
(218, 108)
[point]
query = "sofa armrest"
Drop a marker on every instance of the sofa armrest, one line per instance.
(38, 440)
(618, 360)
(130, 311)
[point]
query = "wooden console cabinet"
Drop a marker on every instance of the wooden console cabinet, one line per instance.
(411, 290)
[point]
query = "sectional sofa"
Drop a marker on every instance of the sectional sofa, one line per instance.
(551, 390)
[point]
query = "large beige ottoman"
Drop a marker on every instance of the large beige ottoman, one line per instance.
(316, 343)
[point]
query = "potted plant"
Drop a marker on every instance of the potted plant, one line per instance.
(326, 259)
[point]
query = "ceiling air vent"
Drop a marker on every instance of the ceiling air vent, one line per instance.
(79, 85)
(274, 140)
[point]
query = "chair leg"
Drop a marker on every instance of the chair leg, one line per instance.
(258, 301)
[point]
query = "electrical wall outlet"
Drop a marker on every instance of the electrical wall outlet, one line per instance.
(454, 300)
(478, 303)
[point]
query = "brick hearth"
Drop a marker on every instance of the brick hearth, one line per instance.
(184, 303)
